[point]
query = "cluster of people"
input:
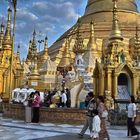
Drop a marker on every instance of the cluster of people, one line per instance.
(54, 99)
(97, 114)
(95, 118)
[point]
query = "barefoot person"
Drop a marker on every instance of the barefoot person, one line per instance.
(89, 116)
(101, 109)
(95, 125)
(132, 131)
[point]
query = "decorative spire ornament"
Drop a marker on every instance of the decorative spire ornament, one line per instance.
(7, 37)
(79, 46)
(116, 32)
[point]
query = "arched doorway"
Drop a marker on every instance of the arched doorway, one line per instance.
(124, 86)
(122, 79)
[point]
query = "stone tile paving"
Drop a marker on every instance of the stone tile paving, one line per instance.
(19, 130)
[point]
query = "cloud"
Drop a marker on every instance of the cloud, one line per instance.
(51, 17)
(24, 14)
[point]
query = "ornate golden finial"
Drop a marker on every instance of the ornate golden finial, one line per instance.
(79, 46)
(92, 31)
(116, 32)
(92, 44)
(7, 36)
(66, 57)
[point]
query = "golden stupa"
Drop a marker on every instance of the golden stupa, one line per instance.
(111, 27)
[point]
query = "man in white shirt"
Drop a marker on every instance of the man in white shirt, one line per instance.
(132, 130)
(63, 99)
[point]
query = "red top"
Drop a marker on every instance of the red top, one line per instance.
(36, 101)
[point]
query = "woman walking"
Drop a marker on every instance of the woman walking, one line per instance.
(132, 131)
(102, 111)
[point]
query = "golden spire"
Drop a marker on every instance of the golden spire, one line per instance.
(78, 46)
(66, 57)
(34, 48)
(2, 28)
(116, 32)
(29, 51)
(1, 34)
(45, 55)
(137, 46)
(7, 36)
(18, 57)
(92, 44)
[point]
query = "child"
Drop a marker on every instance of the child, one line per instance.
(96, 125)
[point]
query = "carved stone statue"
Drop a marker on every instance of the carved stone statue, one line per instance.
(109, 100)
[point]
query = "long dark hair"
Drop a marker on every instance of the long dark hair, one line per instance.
(132, 99)
(101, 98)
(37, 92)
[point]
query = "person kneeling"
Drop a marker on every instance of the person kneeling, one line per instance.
(95, 125)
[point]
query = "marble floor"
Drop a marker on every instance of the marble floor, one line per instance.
(19, 130)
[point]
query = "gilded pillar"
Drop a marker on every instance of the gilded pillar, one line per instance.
(4, 84)
(134, 85)
(101, 88)
(115, 91)
(109, 80)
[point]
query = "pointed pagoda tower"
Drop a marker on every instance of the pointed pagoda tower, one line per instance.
(7, 41)
(43, 55)
(91, 53)
(66, 57)
(29, 55)
(34, 77)
(1, 35)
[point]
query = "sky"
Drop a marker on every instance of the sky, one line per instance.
(47, 17)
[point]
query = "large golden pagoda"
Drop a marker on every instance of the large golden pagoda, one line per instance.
(100, 11)
(108, 30)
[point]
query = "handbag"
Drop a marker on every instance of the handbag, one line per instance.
(105, 114)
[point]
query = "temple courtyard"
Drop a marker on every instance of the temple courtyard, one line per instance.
(19, 130)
